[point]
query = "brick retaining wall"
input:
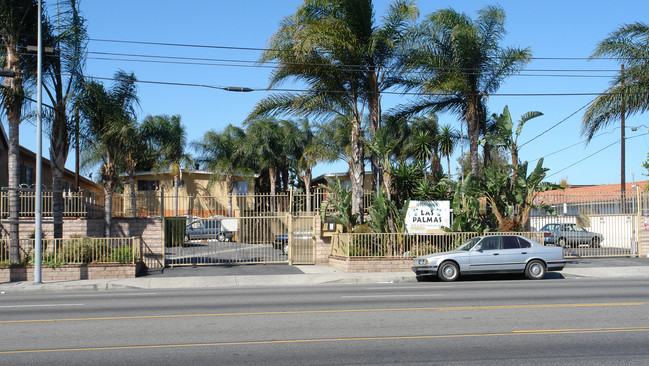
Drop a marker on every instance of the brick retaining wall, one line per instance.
(70, 272)
(370, 265)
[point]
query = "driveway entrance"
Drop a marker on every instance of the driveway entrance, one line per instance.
(245, 240)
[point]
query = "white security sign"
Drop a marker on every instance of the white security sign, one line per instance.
(428, 216)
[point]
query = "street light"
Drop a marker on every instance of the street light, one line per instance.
(237, 89)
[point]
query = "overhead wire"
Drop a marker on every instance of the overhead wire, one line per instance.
(593, 154)
(172, 44)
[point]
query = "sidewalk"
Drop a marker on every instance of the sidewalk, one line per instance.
(310, 275)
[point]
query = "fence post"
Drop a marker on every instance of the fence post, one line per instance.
(135, 244)
(162, 201)
(638, 237)
(289, 221)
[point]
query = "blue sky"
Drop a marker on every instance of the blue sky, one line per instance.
(552, 29)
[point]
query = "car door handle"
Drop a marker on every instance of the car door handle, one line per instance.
(496, 253)
(523, 252)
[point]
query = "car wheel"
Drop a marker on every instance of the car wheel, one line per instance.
(285, 249)
(562, 242)
(535, 270)
(448, 272)
(186, 238)
(422, 278)
(220, 237)
(595, 242)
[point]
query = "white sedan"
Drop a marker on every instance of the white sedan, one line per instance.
(492, 254)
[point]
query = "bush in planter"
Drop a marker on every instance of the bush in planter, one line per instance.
(122, 255)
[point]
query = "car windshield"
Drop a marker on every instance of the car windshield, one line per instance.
(469, 244)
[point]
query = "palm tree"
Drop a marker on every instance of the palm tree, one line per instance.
(224, 154)
(69, 41)
(18, 23)
(447, 139)
(172, 139)
(109, 117)
(142, 147)
(335, 48)
(456, 63)
(264, 141)
(311, 151)
(628, 94)
(630, 45)
(425, 130)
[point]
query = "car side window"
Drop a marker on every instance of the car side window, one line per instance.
(524, 243)
(490, 243)
(510, 242)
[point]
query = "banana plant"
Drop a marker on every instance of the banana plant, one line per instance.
(339, 198)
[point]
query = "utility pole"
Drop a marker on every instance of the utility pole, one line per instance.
(622, 146)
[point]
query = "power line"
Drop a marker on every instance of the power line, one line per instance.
(383, 92)
(596, 152)
(201, 61)
(556, 124)
(171, 44)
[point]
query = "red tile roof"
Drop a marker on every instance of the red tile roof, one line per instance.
(603, 192)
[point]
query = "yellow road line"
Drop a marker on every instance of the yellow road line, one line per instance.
(351, 339)
(492, 307)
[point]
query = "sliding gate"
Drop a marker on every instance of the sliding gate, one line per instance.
(245, 240)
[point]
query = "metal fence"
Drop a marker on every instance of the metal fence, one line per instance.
(596, 225)
(403, 245)
(250, 240)
(81, 250)
(165, 203)
(75, 204)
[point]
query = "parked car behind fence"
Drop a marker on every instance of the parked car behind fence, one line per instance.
(207, 229)
(570, 235)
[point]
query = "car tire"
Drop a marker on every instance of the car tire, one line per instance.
(285, 249)
(448, 271)
(535, 270)
(423, 278)
(220, 237)
(186, 238)
(562, 242)
(595, 243)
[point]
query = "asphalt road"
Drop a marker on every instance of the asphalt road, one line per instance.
(572, 322)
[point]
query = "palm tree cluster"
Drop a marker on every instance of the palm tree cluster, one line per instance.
(345, 58)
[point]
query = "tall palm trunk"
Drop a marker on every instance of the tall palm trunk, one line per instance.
(14, 97)
(374, 105)
(131, 175)
(108, 179)
(59, 149)
(272, 176)
(229, 186)
(307, 187)
(356, 168)
(176, 182)
(473, 128)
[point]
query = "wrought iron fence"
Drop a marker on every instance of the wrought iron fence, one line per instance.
(165, 203)
(75, 204)
(82, 250)
(403, 245)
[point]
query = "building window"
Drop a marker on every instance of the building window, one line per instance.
(241, 187)
(148, 185)
(26, 175)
